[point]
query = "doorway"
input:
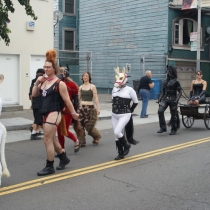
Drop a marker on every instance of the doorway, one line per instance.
(10, 87)
(186, 73)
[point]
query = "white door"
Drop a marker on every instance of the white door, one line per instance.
(37, 62)
(186, 73)
(9, 67)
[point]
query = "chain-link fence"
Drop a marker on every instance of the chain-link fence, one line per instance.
(76, 61)
(101, 66)
(103, 69)
(156, 64)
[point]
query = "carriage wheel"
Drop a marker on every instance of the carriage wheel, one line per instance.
(207, 117)
(187, 121)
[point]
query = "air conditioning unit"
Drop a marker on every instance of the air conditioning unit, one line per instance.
(176, 2)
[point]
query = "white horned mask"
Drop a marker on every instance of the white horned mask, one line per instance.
(120, 78)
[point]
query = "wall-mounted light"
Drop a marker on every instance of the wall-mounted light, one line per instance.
(208, 32)
(170, 49)
(128, 67)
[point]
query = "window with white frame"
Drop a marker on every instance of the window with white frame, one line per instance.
(69, 39)
(182, 27)
(69, 7)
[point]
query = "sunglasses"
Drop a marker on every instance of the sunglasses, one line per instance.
(47, 67)
(199, 74)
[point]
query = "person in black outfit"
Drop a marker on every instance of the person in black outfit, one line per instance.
(54, 96)
(144, 90)
(197, 90)
(169, 97)
(35, 101)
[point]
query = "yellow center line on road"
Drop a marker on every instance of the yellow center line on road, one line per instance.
(98, 167)
(95, 166)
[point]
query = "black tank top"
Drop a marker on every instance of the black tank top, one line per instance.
(197, 88)
(52, 101)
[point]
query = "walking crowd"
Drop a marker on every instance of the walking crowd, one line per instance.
(58, 103)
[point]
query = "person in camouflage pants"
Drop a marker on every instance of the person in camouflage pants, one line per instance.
(88, 114)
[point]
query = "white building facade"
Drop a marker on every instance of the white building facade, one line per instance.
(29, 41)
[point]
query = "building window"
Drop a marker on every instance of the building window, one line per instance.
(69, 7)
(69, 39)
(182, 28)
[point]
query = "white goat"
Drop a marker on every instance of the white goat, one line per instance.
(3, 166)
(3, 133)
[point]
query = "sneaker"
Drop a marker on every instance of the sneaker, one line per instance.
(40, 133)
(146, 116)
(31, 129)
(35, 137)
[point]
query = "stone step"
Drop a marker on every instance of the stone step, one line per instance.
(12, 108)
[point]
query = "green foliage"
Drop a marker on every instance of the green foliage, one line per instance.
(7, 6)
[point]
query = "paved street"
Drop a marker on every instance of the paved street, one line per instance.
(162, 172)
(161, 49)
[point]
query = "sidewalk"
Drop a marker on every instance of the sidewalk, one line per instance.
(17, 123)
(19, 120)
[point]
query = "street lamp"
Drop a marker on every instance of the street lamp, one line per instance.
(57, 16)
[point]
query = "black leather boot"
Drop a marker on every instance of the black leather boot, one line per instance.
(35, 137)
(120, 151)
(162, 130)
(173, 132)
(49, 169)
(126, 146)
(64, 160)
(133, 141)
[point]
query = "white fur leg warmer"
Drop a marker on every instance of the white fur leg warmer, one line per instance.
(3, 133)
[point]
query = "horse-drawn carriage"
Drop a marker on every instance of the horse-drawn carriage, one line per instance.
(190, 113)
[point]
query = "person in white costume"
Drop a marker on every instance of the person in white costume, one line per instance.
(122, 95)
(3, 166)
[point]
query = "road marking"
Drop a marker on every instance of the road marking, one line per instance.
(78, 172)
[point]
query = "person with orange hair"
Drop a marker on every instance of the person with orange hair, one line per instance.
(73, 95)
(54, 95)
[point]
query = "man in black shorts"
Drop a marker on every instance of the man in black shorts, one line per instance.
(35, 101)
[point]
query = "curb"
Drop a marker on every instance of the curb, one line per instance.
(27, 126)
(109, 117)
(18, 127)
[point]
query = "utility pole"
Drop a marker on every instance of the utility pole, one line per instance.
(198, 36)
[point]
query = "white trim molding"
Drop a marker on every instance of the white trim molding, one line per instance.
(187, 60)
(63, 38)
(69, 14)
